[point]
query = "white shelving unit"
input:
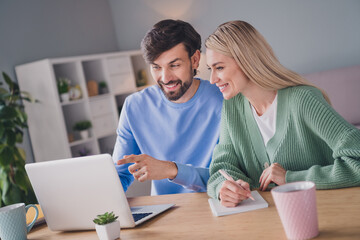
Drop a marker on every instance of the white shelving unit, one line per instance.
(51, 121)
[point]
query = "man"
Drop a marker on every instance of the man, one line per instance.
(167, 132)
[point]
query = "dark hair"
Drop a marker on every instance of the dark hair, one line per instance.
(165, 35)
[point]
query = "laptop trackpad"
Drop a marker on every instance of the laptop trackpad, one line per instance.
(136, 209)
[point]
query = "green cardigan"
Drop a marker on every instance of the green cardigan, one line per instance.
(312, 142)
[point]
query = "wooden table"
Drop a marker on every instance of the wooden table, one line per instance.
(191, 218)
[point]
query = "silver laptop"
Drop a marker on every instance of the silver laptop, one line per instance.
(72, 192)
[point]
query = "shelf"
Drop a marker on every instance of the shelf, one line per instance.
(85, 148)
(73, 102)
(51, 124)
(78, 142)
(100, 96)
(106, 143)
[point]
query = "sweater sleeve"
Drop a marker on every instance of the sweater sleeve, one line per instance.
(339, 135)
(224, 157)
(190, 177)
(125, 145)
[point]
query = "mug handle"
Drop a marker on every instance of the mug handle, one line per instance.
(28, 227)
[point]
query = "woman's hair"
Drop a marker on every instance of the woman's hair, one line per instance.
(255, 57)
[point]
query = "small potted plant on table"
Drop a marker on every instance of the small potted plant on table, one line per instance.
(107, 227)
(83, 128)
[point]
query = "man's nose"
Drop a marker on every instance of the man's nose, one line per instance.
(166, 76)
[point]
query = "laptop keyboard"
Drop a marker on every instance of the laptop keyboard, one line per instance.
(138, 216)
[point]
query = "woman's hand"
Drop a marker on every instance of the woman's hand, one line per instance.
(231, 193)
(275, 173)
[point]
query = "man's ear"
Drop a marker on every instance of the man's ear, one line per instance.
(195, 59)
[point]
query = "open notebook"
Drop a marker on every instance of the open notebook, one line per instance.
(246, 205)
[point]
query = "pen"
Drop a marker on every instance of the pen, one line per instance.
(228, 177)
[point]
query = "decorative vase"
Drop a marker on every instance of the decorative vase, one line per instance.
(65, 97)
(93, 89)
(108, 231)
(84, 134)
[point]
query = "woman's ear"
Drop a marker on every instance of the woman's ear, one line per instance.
(195, 59)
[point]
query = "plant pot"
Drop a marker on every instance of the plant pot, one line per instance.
(103, 90)
(65, 97)
(108, 231)
(84, 134)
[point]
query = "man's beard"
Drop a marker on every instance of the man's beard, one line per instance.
(175, 95)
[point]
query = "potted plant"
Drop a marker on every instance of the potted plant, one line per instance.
(107, 227)
(63, 88)
(83, 127)
(103, 87)
(15, 186)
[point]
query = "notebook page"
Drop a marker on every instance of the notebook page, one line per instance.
(246, 205)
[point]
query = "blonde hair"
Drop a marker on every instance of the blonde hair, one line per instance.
(255, 57)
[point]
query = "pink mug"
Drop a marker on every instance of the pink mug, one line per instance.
(296, 205)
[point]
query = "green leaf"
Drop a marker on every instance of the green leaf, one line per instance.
(30, 198)
(6, 156)
(21, 180)
(27, 97)
(1, 202)
(21, 115)
(3, 177)
(5, 184)
(22, 154)
(8, 124)
(2, 146)
(13, 195)
(3, 90)
(19, 137)
(16, 88)
(2, 130)
(14, 99)
(11, 138)
(7, 112)
(8, 80)
(20, 157)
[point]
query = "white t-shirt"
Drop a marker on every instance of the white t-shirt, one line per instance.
(267, 122)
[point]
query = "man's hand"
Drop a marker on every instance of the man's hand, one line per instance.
(275, 173)
(149, 168)
(231, 194)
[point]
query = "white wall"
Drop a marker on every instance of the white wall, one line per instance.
(306, 35)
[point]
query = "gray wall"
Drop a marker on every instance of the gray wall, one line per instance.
(38, 29)
(306, 35)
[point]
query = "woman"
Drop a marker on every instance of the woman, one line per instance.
(276, 127)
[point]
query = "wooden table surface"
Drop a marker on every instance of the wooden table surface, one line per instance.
(191, 218)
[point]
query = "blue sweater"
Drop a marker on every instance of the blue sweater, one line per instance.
(184, 133)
